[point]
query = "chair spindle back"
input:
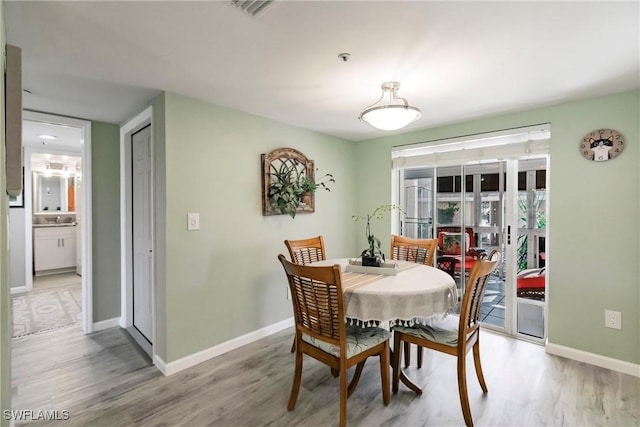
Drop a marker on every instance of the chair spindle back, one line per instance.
(420, 251)
(472, 299)
(306, 251)
(316, 293)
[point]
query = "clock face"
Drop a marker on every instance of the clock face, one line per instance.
(601, 145)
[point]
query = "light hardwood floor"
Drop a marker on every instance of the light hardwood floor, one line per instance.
(103, 381)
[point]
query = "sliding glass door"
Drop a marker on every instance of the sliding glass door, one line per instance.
(474, 208)
(530, 256)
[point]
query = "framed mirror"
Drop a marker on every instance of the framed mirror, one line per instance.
(53, 193)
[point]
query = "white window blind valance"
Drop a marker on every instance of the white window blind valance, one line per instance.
(530, 141)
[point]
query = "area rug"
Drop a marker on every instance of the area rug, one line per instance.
(44, 310)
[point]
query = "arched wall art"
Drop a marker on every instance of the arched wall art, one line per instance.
(286, 175)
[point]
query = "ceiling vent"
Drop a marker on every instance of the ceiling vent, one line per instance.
(251, 7)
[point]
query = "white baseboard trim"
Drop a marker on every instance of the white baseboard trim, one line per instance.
(160, 364)
(106, 324)
(594, 359)
(19, 290)
(211, 352)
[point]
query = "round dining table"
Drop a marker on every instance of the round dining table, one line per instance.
(415, 291)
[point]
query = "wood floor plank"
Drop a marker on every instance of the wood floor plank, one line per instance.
(103, 381)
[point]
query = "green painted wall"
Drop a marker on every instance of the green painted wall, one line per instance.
(224, 280)
(160, 221)
(5, 301)
(105, 171)
(594, 217)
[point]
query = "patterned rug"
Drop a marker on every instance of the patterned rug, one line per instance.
(42, 310)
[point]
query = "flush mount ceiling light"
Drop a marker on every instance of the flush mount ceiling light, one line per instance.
(391, 114)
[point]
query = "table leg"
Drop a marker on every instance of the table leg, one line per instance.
(405, 380)
(355, 378)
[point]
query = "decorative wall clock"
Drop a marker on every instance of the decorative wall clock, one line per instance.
(601, 145)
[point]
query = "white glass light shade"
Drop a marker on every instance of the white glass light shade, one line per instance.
(395, 113)
(390, 117)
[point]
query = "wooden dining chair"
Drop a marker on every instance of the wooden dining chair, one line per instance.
(451, 335)
(494, 255)
(322, 333)
(305, 251)
(420, 251)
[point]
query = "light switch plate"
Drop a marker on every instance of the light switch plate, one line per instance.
(193, 221)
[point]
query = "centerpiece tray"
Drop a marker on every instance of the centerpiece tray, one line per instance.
(386, 268)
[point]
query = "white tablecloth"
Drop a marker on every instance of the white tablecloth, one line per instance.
(416, 291)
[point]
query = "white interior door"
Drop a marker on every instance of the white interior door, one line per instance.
(142, 231)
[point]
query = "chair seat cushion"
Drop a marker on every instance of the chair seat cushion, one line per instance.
(436, 329)
(358, 340)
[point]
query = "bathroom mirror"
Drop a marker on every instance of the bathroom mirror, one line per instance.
(53, 193)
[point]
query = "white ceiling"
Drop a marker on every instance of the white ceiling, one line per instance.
(68, 138)
(455, 60)
(44, 152)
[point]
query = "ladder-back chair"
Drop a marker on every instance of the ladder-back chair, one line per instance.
(305, 251)
(420, 251)
(322, 332)
(451, 335)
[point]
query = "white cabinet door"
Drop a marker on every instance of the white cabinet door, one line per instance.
(54, 247)
(47, 253)
(68, 250)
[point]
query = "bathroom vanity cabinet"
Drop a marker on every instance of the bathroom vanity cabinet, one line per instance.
(54, 248)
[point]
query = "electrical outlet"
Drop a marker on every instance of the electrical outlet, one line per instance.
(613, 319)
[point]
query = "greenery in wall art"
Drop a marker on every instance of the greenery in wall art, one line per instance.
(289, 184)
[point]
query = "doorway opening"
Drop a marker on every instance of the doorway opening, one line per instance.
(50, 262)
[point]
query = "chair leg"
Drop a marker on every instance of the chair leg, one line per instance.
(297, 378)
(420, 351)
(384, 373)
(343, 394)
(462, 390)
(407, 354)
(293, 345)
(397, 353)
(478, 365)
(335, 372)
